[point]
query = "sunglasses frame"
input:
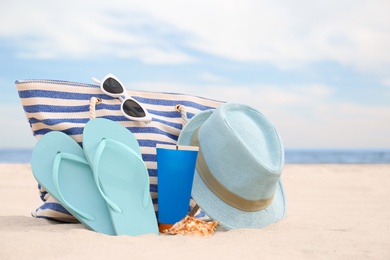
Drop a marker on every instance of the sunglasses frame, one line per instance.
(123, 97)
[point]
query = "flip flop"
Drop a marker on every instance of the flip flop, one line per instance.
(121, 176)
(59, 165)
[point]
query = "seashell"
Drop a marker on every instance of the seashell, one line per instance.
(192, 226)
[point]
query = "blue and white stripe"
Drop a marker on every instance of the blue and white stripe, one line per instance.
(52, 105)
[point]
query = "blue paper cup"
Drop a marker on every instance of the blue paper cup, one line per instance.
(175, 172)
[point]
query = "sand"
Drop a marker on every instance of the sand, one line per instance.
(334, 212)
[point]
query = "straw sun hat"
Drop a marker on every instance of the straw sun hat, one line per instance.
(240, 160)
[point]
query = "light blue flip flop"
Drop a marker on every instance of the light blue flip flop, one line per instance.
(121, 176)
(59, 165)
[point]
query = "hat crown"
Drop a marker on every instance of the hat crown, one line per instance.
(242, 150)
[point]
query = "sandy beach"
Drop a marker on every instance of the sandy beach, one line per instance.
(334, 212)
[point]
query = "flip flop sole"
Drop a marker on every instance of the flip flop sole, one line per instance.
(59, 165)
(115, 157)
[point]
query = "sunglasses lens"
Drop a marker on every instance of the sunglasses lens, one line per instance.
(112, 86)
(133, 109)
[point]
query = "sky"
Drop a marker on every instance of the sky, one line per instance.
(319, 70)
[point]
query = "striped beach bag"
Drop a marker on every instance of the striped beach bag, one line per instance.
(53, 105)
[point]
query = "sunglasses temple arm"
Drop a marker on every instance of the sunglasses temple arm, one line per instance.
(96, 80)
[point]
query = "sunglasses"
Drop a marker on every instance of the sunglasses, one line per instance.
(130, 107)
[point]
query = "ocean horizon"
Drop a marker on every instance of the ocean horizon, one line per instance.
(292, 156)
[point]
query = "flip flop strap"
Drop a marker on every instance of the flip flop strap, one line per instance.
(56, 166)
(99, 151)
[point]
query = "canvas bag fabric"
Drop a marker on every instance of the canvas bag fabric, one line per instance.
(54, 105)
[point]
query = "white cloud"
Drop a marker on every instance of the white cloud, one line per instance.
(59, 30)
(152, 55)
(386, 82)
(284, 33)
(212, 78)
(314, 90)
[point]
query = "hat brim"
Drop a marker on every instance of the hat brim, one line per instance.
(228, 216)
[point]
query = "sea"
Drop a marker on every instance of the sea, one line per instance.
(292, 156)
